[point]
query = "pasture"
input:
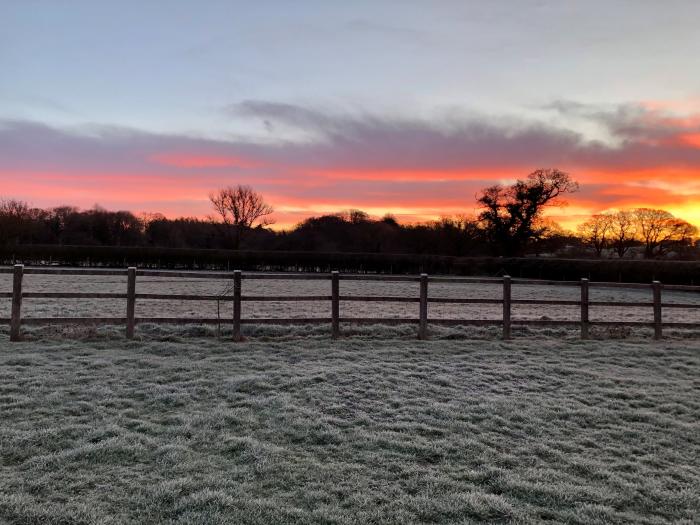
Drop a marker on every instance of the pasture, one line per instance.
(178, 426)
(183, 425)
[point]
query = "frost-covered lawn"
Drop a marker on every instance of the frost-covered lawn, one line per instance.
(195, 430)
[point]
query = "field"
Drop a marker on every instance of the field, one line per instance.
(373, 428)
(181, 425)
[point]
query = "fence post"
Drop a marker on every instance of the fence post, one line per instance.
(658, 331)
(584, 308)
(423, 307)
(16, 318)
(237, 305)
(335, 303)
(130, 301)
(506, 306)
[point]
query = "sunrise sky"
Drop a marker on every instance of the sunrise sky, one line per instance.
(404, 107)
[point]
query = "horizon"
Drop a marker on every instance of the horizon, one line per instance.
(146, 215)
(387, 107)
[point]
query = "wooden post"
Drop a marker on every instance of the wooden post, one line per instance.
(658, 332)
(335, 303)
(584, 308)
(506, 306)
(16, 318)
(130, 302)
(237, 286)
(423, 307)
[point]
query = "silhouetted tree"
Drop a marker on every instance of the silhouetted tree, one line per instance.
(14, 220)
(622, 232)
(549, 237)
(659, 230)
(60, 220)
(240, 207)
(596, 232)
(510, 216)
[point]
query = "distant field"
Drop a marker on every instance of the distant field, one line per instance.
(173, 429)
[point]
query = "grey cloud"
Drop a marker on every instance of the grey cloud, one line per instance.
(33, 145)
(369, 141)
(627, 122)
(361, 142)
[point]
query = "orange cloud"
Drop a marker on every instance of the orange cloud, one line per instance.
(678, 176)
(690, 139)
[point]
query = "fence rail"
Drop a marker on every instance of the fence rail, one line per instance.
(335, 320)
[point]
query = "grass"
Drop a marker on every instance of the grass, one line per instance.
(307, 430)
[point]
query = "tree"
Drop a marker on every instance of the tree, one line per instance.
(596, 231)
(622, 232)
(240, 207)
(659, 230)
(511, 214)
(59, 221)
(685, 239)
(456, 235)
(390, 219)
(14, 220)
(550, 237)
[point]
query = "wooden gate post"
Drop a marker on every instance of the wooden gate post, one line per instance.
(16, 316)
(237, 286)
(584, 308)
(506, 306)
(423, 307)
(335, 303)
(658, 330)
(130, 302)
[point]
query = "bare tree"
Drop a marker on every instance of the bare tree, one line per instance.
(596, 231)
(659, 229)
(511, 214)
(685, 235)
(240, 207)
(622, 232)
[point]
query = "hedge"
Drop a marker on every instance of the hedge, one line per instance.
(618, 270)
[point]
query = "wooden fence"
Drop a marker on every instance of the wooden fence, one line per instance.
(237, 298)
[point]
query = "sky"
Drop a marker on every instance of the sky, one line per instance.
(404, 107)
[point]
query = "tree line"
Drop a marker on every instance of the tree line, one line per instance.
(656, 232)
(511, 222)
